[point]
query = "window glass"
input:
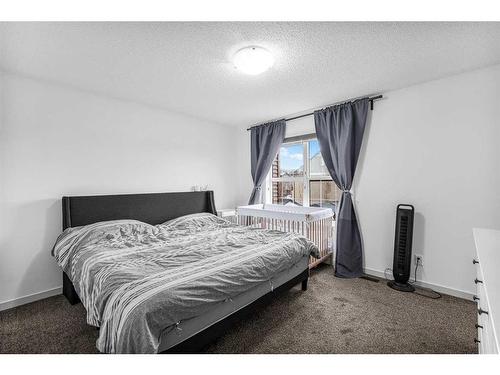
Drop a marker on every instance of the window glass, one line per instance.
(291, 160)
(289, 193)
(317, 166)
(296, 183)
(323, 193)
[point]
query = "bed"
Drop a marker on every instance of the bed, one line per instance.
(229, 270)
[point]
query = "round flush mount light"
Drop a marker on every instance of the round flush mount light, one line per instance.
(253, 60)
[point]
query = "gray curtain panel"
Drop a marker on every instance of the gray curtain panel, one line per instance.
(265, 144)
(340, 132)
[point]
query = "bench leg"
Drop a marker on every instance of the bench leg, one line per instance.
(304, 284)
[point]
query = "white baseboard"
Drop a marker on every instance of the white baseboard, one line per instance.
(30, 298)
(437, 288)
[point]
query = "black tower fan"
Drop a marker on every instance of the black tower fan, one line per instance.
(402, 248)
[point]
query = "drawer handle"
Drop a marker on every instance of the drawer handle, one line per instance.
(474, 261)
(477, 341)
(478, 326)
(481, 311)
(475, 298)
(477, 281)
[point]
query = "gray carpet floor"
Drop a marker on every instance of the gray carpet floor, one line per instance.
(333, 316)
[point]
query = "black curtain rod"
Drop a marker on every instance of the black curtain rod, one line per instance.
(371, 99)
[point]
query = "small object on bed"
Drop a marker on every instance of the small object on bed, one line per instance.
(315, 223)
(228, 214)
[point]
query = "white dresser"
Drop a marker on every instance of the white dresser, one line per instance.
(487, 263)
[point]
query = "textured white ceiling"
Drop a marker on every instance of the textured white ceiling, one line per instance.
(186, 67)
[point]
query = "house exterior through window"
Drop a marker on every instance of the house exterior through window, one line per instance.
(299, 177)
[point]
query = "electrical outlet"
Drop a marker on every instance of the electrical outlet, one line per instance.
(419, 259)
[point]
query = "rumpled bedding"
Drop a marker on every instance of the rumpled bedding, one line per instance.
(137, 280)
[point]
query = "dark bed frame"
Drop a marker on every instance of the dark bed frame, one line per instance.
(156, 208)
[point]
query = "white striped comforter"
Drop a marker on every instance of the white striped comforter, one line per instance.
(137, 280)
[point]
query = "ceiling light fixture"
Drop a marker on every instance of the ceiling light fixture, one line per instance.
(253, 60)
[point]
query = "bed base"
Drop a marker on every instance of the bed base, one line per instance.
(197, 342)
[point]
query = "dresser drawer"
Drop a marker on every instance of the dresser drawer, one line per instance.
(482, 333)
(485, 333)
(476, 265)
(480, 293)
(480, 339)
(487, 283)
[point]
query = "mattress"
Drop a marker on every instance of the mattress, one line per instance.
(184, 330)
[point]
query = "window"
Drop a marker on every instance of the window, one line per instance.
(299, 177)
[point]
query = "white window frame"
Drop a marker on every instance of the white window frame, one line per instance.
(305, 179)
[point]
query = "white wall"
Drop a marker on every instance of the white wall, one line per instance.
(57, 141)
(242, 158)
(436, 146)
(433, 145)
